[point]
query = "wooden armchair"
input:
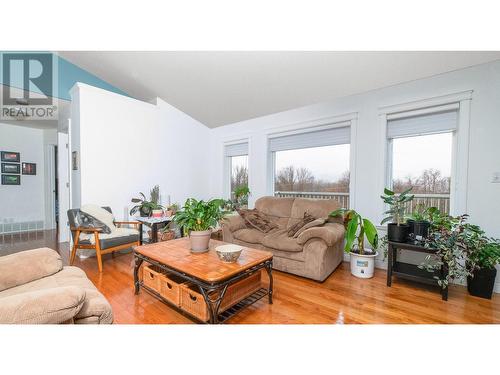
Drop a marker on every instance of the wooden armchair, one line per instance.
(100, 245)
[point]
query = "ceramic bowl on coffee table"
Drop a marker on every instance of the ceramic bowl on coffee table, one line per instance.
(229, 253)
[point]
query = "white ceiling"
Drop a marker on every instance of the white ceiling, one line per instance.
(219, 88)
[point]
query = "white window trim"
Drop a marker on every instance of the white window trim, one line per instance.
(349, 119)
(460, 153)
(226, 175)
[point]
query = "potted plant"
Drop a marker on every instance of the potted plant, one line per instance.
(197, 218)
(419, 223)
(453, 240)
(154, 197)
(241, 194)
(172, 209)
(481, 263)
(397, 229)
(148, 207)
(357, 230)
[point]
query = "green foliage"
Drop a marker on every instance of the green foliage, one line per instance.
(397, 204)
(357, 229)
(462, 246)
(154, 195)
(198, 215)
(147, 206)
(241, 194)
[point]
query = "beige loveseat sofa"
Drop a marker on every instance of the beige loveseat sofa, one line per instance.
(35, 288)
(314, 254)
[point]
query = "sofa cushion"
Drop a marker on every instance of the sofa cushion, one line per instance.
(25, 266)
(45, 306)
(95, 305)
(273, 206)
(315, 207)
(249, 235)
(299, 224)
(315, 223)
(279, 240)
(258, 220)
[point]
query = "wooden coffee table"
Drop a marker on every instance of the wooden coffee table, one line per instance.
(206, 271)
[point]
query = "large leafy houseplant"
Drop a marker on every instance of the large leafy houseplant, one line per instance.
(200, 215)
(197, 218)
(397, 205)
(455, 241)
(397, 229)
(359, 230)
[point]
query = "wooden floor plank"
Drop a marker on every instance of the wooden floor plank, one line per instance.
(342, 298)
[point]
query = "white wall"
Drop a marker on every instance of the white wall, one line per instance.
(25, 202)
(127, 146)
(483, 197)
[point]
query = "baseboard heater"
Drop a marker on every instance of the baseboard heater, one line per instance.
(21, 226)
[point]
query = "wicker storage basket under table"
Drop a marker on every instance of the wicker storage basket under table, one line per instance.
(166, 285)
(192, 301)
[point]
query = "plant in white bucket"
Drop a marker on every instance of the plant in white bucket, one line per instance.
(357, 230)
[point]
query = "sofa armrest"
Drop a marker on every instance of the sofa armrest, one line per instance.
(45, 306)
(233, 223)
(26, 266)
(331, 233)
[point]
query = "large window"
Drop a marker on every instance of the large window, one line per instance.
(236, 156)
(312, 165)
(420, 150)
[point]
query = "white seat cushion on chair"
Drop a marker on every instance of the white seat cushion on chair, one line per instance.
(107, 218)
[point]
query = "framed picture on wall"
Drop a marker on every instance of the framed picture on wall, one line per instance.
(29, 168)
(12, 168)
(9, 156)
(11, 179)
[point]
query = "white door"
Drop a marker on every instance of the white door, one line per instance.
(63, 187)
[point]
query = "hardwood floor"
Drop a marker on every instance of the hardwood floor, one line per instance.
(342, 298)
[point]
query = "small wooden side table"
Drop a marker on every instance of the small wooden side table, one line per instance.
(411, 271)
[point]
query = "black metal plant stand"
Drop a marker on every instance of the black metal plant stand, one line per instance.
(213, 300)
(411, 271)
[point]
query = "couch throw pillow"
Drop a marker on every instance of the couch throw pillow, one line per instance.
(256, 219)
(315, 223)
(295, 228)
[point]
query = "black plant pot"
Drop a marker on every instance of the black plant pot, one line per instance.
(144, 213)
(411, 226)
(397, 233)
(421, 229)
(483, 282)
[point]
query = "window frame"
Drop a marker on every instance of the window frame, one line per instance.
(347, 120)
(227, 174)
(460, 143)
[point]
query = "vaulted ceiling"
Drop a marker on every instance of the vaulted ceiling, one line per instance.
(219, 88)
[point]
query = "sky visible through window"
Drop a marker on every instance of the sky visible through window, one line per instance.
(326, 163)
(313, 169)
(413, 155)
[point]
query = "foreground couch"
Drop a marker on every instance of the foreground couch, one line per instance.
(314, 254)
(35, 288)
